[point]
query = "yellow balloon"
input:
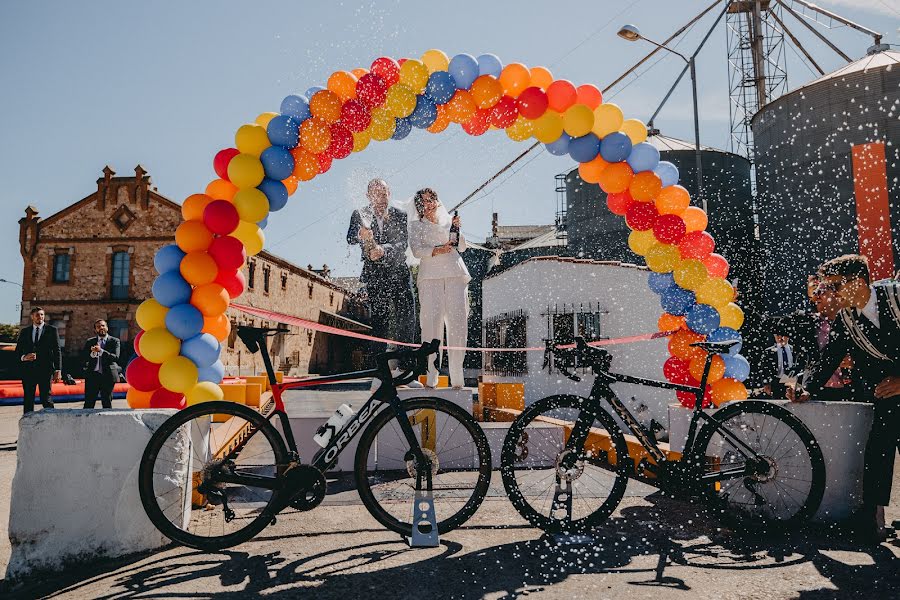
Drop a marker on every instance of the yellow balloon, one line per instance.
(361, 139)
(641, 241)
(400, 100)
(548, 127)
(414, 75)
(435, 60)
(691, 274)
(264, 118)
(252, 205)
(730, 315)
(151, 314)
(635, 130)
(251, 236)
(662, 258)
(608, 119)
(246, 171)
(251, 139)
(383, 124)
(178, 374)
(578, 120)
(204, 391)
(158, 345)
(521, 130)
(716, 292)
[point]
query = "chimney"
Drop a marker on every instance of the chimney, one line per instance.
(103, 187)
(494, 224)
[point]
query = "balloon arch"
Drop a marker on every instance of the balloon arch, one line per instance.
(184, 324)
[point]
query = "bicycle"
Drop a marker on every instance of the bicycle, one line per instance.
(215, 474)
(754, 461)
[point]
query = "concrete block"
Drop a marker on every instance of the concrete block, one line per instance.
(75, 491)
(537, 448)
(462, 397)
(305, 427)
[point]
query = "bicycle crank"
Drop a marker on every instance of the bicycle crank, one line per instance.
(307, 486)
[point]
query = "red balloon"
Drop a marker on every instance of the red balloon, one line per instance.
(669, 229)
(220, 162)
(641, 216)
(504, 113)
(228, 252)
(479, 122)
(532, 102)
(163, 398)
(618, 203)
(386, 68)
(221, 217)
(687, 399)
(234, 282)
(676, 370)
(716, 265)
(371, 90)
(142, 374)
(589, 95)
(354, 115)
(137, 341)
(324, 162)
(696, 244)
(400, 61)
(561, 94)
(341, 142)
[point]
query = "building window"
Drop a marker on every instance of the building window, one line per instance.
(61, 268)
(331, 299)
(284, 281)
(507, 330)
(121, 271)
(118, 328)
(266, 273)
(251, 274)
(232, 334)
(309, 288)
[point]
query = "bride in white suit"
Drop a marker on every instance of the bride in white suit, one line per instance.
(442, 281)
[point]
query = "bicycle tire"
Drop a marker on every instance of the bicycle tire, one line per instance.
(508, 459)
(147, 470)
(738, 410)
(480, 445)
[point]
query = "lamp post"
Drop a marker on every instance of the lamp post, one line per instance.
(633, 34)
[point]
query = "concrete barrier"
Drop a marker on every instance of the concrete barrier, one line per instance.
(75, 491)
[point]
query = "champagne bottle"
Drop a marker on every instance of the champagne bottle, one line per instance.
(454, 231)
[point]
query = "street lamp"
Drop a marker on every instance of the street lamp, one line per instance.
(633, 34)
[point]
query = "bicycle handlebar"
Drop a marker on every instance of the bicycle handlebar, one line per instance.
(597, 358)
(421, 355)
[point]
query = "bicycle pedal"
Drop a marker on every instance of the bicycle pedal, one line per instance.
(424, 521)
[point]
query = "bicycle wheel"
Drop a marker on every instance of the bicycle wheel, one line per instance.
(786, 482)
(459, 454)
(557, 488)
(180, 473)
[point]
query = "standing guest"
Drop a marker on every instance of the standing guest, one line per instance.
(825, 300)
(100, 355)
(38, 349)
(780, 363)
(867, 328)
(442, 281)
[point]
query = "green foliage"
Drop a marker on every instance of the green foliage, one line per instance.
(8, 333)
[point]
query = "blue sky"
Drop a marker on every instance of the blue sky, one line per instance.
(166, 84)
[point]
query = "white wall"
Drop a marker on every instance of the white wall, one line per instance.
(621, 290)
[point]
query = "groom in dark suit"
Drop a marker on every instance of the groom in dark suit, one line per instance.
(101, 366)
(38, 349)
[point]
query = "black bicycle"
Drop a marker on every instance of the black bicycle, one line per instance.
(754, 461)
(215, 474)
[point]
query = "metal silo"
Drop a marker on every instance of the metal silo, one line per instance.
(828, 176)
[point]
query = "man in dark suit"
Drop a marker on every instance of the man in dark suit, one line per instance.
(38, 349)
(868, 329)
(381, 232)
(101, 366)
(779, 363)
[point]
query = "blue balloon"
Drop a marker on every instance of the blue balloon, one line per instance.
(262, 224)
(275, 192)
(170, 289)
(561, 146)
(284, 130)
(168, 258)
(585, 148)
(296, 106)
(668, 173)
(676, 300)
(214, 372)
(425, 113)
(703, 318)
(643, 157)
(277, 162)
(660, 282)
(184, 321)
(727, 334)
(441, 87)
(615, 147)
(464, 69)
(202, 349)
(489, 64)
(401, 129)
(311, 91)
(736, 366)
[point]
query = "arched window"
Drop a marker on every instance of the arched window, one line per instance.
(121, 275)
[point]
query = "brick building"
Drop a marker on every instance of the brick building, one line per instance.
(94, 259)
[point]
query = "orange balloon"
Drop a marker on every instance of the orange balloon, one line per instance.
(306, 165)
(486, 91)
(680, 345)
(193, 236)
(198, 268)
(669, 322)
(210, 299)
(514, 78)
(672, 200)
(590, 171)
(343, 84)
(616, 178)
(192, 209)
(728, 390)
(137, 399)
(291, 184)
(694, 219)
(315, 134)
(645, 186)
(359, 72)
(561, 95)
(461, 107)
(442, 121)
(587, 94)
(218, 326)
(541, 77)
(716, 369)
(221, 190)
(325, 105)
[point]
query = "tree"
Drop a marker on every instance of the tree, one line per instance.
(8, 333)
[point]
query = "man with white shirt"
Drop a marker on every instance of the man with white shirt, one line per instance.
(867, 328)
(101, 366)
(38, 350)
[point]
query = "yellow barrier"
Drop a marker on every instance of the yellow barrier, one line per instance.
(443, 380)
(501, 395)
(235, 392)
(255, 388)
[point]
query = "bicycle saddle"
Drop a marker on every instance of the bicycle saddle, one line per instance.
(716, 346)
